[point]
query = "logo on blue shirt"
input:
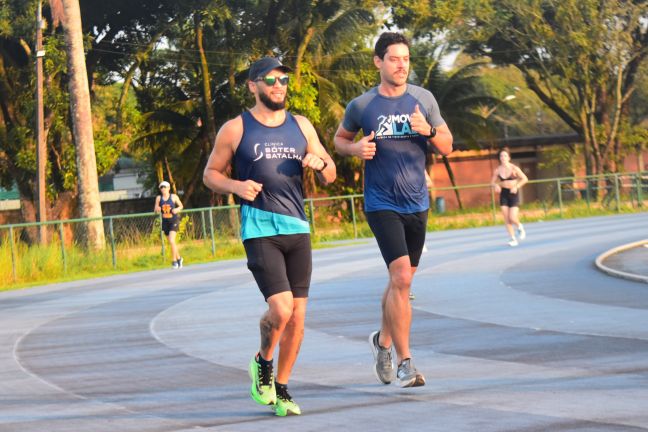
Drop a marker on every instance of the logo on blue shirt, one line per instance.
(394, 125)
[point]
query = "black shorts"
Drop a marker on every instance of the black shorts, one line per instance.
(508, 199)
(169, 225)
(399, 234)
(281, 263)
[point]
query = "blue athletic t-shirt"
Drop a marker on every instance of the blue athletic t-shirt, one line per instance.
(273, 157)
(395, 177)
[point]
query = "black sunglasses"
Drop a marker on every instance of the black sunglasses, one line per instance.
(271, 80)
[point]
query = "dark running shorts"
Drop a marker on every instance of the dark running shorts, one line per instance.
(508, 199)
(399, 234)
(280, 263)
(169, 225)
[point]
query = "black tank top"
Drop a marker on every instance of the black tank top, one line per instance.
(273, 157)
(166, 206)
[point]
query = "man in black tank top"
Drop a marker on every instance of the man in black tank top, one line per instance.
(271, 148)
(169, 205)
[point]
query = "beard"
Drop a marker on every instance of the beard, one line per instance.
(270, 104)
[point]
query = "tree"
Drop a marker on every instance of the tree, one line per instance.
(580, 57)
(17, 140)
(87, 179)
(332, 66)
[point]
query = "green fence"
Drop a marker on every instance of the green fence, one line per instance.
(135, 242)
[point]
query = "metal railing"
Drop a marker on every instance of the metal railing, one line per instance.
(135, 241)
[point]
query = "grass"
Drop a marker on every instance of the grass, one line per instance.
(37, 265)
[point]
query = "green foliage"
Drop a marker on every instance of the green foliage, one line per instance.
(563, 55)
(578, 56)
(557, 156)
(426, 18)
(184, 226)
(110, 140)
(634, 139)
(304, 95)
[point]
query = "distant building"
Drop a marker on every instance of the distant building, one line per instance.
(474, 165)
(125, 181)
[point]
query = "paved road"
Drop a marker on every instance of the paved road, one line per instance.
(531, 338)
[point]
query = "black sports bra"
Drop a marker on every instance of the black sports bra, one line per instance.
(513, 176)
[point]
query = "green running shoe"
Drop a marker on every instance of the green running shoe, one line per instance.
(263, 388)
(285, 406)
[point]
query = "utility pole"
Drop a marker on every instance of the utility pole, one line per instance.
(41, 149)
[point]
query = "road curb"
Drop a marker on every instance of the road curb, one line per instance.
(618, 273)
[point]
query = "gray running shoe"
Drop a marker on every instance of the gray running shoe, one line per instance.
(175, 265)
(383, 364)
(408, 376)
(180, 261)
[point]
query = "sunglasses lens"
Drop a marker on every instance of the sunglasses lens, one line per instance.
(270, 80)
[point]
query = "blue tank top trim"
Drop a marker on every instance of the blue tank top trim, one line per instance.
(260, 223)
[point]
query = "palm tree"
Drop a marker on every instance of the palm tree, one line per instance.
(332, 61)
(87, 179)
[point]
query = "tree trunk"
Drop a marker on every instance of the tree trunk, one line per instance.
(210, 122)
(87, 179)
(28, 214)
(301, 50)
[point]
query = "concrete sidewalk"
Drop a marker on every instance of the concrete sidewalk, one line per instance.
(628, 261)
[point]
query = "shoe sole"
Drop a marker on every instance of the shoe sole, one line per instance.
(374, 351)
(417, 381)
(282, 413)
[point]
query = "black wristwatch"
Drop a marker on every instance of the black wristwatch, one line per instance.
(432, 133)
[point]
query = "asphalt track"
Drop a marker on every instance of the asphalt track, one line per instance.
(532, 338)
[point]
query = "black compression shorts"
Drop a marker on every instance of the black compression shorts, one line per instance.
(509, 199)
(280, 263)
(399, 234)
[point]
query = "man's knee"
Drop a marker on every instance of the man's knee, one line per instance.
(401, 277)
(281, 311)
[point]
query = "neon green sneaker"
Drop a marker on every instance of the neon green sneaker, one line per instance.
(285, 406)
(263, 389)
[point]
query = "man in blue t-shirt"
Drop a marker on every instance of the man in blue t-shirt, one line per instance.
(400, 122)
(270, 149)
